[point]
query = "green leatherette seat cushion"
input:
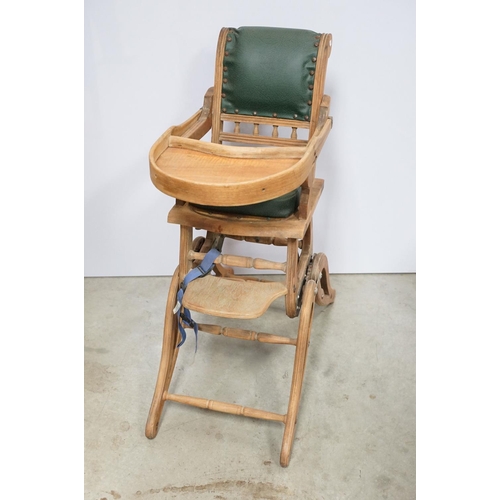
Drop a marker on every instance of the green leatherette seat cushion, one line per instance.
(269, 72)
(281, 207)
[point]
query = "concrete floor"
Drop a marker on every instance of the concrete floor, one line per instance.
(355, 435)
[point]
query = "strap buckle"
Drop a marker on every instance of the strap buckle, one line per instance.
(177, 307)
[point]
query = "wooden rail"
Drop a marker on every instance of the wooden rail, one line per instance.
(233, 409)
(240, 261)
(238, 333)
(262, 120)
(255, 138)
(279, 242)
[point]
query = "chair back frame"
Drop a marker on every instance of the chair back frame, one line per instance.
(219, 117)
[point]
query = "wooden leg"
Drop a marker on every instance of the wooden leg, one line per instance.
(186, 244)
(320, 274)
(305, 323)
(292, 260)
(168, 358)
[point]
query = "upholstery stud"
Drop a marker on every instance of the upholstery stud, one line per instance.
(225, 80)
(311, 87)
(314, 59)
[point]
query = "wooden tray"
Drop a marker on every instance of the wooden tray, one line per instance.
(218, 175)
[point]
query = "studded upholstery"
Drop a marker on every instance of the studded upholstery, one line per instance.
(269, 72)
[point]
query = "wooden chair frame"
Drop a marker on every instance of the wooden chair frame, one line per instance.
(307, 275)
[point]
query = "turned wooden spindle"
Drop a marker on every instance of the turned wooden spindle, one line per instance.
(240, 261)
(255, 129)
(238, 333)
(294, 133)
(275, 130)
(233, 409)
(236, 127)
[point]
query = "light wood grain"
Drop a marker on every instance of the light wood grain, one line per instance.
(303, 335)
(305, 256)
(231, 298)
(204, 122)
(265, 120)
(237, 152)
(256, 139)
(291, 277)
(250, 335)
(233, 409)
(280, 242)
(186, 244)
(211, 179)
(241, 261)
(167, 360)
(319, 80)
(219, 64)
(162, 143)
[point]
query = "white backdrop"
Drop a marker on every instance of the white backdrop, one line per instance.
(147, 67)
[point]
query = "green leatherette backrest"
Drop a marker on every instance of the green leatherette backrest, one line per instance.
(269, 72)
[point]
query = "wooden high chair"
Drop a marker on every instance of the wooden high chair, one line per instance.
(264, 193)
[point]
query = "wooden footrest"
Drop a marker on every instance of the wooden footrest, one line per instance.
(231, 297)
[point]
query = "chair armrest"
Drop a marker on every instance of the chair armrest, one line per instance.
(204, 122)
(195, 127)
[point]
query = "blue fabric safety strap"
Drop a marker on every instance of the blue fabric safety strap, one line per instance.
(184, 314)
